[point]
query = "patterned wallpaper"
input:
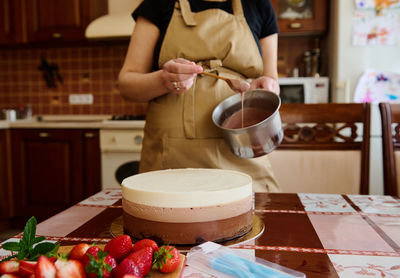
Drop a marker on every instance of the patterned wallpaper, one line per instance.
(83, 70)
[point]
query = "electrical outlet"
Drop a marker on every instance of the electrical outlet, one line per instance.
(80, 99)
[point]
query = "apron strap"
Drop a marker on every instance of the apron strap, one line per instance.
(237, 7)
(187, 13)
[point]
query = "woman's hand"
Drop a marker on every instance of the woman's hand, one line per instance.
(178, 74)
(266, 83)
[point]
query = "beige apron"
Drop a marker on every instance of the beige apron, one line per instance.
(179, 131)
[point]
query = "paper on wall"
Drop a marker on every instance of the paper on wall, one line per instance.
(377, 86)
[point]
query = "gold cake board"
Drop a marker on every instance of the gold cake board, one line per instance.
(117, 228)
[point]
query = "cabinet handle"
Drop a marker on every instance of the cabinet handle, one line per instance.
(56, 35)
(44, 135)
(138, 139)
(295, 25)
(89, 135)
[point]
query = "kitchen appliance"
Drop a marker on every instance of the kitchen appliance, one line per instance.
(304, 89)
(257, 139)
(120, 145)
(118, 23)
(347, 64)
(8, 114)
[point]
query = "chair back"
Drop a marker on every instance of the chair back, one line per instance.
(325, 148)
(390, 117)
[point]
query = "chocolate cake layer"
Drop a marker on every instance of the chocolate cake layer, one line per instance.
(188, 215)
(188, 233)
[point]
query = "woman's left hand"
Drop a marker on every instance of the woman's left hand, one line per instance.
(265, 82)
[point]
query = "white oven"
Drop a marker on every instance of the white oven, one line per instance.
(120, 145)
(304, 89)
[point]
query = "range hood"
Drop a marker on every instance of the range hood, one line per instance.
(118, 23)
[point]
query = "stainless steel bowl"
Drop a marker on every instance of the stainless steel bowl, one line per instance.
(258, 139)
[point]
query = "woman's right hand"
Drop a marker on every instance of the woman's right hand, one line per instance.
(178, 75)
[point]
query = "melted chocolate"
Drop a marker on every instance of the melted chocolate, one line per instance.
(246, 117)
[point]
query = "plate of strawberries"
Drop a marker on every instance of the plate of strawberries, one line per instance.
(119, 258)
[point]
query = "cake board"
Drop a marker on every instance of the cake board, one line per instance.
(258, 227)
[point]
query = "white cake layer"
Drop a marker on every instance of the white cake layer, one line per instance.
(185, 188)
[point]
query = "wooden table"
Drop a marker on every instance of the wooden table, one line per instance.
(318, 234)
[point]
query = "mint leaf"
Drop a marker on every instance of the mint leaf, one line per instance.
(11, 246)
(29, 232)
(42, 248)
(8, 258)
(38, 239)
(26, 247)
(53, 252)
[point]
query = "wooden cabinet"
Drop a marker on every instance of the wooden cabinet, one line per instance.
(5, 178)
(301, 17)
(53, 169)
(10, 23)
(64, 20)
(27, 21)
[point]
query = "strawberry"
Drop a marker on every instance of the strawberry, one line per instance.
(26, 268)
(130, 276)
(78, 251)
(137, 263)
(119, 247)
(166, 259)
(98, 263)
(45, 268)
(126, 267)
(69, 268)
(9, 267)
(145, 243)
(143, 258)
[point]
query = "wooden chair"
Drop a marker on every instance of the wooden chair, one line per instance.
(325, 148)
(390, 116)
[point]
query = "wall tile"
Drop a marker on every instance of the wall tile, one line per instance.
(88, 69)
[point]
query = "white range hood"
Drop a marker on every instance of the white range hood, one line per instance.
(118, 23)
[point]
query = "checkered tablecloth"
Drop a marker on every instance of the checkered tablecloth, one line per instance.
(321, 235)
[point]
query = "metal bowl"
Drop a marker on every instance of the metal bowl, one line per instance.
(256, 139)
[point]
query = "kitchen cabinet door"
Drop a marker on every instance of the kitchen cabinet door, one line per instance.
(10, 23)
(301, 17)
(49, 170)
(5, 178)
(91, 162)
(61, 20)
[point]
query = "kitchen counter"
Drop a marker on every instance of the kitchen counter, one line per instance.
(73, 121)
(320, 235)
(4, 124)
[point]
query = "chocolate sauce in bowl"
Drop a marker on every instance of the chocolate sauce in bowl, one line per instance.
(245, 117)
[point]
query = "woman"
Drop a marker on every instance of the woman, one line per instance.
(173, 42)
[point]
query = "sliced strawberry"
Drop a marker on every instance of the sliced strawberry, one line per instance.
(166, 259)
(119, 247)
(9, 276)
(69, 268)
(78, 251)
(26, 268)
(45, 268)
(9, 267)
(145, 243)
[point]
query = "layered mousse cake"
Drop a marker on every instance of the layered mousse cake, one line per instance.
(187, 206)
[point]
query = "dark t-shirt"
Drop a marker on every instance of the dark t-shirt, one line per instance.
(259, 15)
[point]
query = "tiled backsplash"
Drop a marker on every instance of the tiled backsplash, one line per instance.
(84, 70)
